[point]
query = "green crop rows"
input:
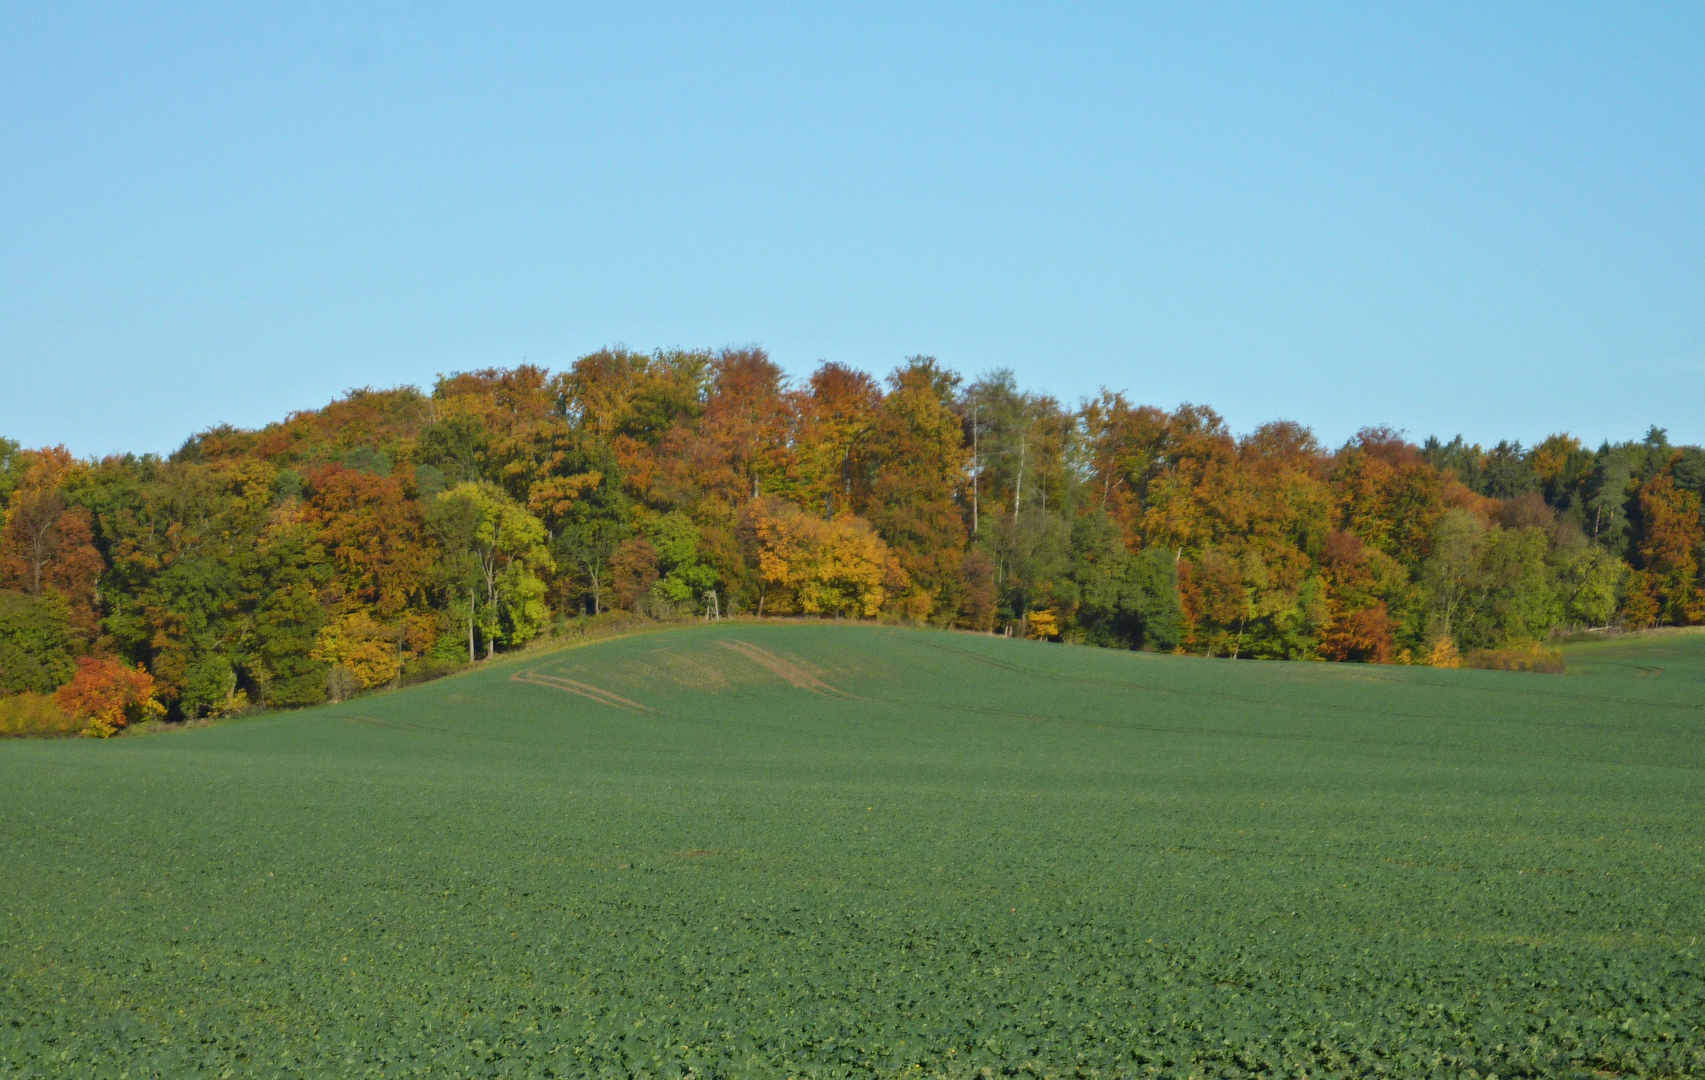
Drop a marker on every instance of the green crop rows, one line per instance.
(842, 851)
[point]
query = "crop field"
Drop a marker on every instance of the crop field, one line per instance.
(770, 850)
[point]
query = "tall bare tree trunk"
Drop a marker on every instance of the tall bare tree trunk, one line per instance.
(976, 469)
(1018, 487)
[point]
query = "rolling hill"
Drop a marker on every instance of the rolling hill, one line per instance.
(770, 849)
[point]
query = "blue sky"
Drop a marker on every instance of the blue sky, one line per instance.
(1469, 218)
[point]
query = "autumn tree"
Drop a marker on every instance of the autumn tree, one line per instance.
(375, 536)
(1363, 584)
(835, 419)
(633, 571)
(633, 401)
(47, 543)
(1386, 494)
(1670, 535)
(978, 593)
(915, 460)
(361, 651)
(1260, 506)
(742, 444)
(107, 696)
(1126, 447)
(814, 566)
(1217, 601)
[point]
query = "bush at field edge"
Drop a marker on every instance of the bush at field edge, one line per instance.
(34, 714)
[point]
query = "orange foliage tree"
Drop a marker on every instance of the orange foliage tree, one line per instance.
(1387, 495)
(1126, 446)
(107, 695)
(48, 544)
(375, 535)
(915, 459)
(1668, 549)
(742, 444)
(835, 419)
(1360, 581)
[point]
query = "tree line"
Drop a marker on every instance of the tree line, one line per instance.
(395, 533)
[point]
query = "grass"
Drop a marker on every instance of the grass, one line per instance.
(817, 850)
(1530, 658)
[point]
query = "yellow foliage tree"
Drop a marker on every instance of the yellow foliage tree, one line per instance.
(360, 649)
(837, 567)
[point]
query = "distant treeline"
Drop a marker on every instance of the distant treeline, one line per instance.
(396, 531)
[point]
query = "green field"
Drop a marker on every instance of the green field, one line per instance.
(815, 850)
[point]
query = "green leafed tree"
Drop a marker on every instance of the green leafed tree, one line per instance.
(37, 646)
(494, 553)
(682, 578)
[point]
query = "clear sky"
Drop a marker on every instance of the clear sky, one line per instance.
(1473, 218)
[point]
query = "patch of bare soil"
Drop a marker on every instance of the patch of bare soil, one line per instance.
(686, 670)
(785, 668)
(585, 690)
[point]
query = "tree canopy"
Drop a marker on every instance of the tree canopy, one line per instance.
(394, 530)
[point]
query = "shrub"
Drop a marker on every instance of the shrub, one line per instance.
(1443, 654)
(429, 668)
(34, 714)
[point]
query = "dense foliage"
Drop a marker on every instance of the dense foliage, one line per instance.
(818, 850)
(398, 531)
